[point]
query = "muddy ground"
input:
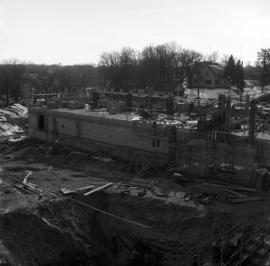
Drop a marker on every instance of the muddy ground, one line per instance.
(149, 220)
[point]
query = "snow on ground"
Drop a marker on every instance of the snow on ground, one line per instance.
(8, 120)
(209, 93)
(205, 94)
(259, 135)
(8, 129)
(18, 109)
(254, 92)
(181, 121)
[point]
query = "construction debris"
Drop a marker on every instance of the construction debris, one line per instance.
(234, 193)
(84, 188)
(245, 199)
(231, 187)
(110, 214)
(27, 175)
(183, 216)
(65, 191)
(102, 159)
(97, 189)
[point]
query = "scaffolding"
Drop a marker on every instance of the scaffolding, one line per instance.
(215, 138)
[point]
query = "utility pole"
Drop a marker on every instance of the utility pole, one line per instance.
(198, 88)
(228, 112)
(83, 84)
(197, 79)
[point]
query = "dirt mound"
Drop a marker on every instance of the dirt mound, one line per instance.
(63, 232)
(58, 233)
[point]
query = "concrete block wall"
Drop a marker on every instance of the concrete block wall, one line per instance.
(127, 139)
(65, 126)
(101, 130)
(33, 130)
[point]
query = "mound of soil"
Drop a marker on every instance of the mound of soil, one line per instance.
(63, 232)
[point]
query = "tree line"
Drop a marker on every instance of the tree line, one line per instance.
(17, 77)
(152, 68)
(264, 63)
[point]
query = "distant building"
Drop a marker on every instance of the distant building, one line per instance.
(173, 88)
(209, 75)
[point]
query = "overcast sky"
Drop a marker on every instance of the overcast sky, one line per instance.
(78, 31)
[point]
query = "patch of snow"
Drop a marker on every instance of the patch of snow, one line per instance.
(8, 116)
(7, 129)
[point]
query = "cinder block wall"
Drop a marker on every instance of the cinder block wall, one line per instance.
(119, 133)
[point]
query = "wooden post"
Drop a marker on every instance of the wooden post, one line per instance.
(252, 122)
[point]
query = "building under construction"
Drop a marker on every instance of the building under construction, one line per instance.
(211, 150)
(175, 199)
(111, 134)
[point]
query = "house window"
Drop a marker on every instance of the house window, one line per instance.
(207, 73)
(208, 82)
(41, 122)
(217, 81)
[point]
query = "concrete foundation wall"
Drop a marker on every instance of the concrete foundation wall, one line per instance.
(147, 158)
(121, 136)
(98, 134)
(135, 141)
(240, 162)
(65, 126)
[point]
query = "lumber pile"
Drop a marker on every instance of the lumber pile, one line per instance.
(246, 194)
(85, 190)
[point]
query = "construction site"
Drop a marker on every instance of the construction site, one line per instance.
(129, 179)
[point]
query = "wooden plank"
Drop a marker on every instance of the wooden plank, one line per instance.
(232, 228)
(26, 186)
(27, 175)
(231, 187)
(84, 188)
(246, 199)
(110, 214)
(65, 191)
(235, 193)
(97, 189)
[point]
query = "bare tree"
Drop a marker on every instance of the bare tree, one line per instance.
(119, 68)
(154, 66)
(224, 59)
(212, 57)
(11, 80)
(189, 59)
(43, 80)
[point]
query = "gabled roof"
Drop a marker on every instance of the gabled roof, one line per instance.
(215, 68)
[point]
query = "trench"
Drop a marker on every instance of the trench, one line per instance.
(61, 232)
